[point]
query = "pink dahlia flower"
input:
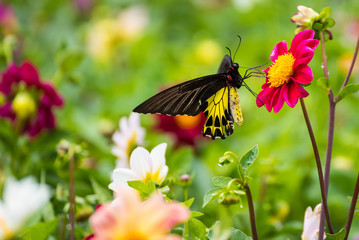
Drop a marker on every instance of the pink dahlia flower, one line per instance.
(27, 101)
(289, 72)
(128, 217)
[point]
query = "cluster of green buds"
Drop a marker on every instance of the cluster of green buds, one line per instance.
(307, 18)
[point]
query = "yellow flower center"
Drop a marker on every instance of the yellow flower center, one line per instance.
(5, 229)
(135, 236)
(281, 70)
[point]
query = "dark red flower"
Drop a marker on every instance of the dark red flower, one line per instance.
(27, 101)
(185, 129)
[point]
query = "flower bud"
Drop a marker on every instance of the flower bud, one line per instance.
(185, 180)
(229, 198)
(24, 105)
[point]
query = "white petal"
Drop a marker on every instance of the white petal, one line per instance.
(123, 124)
(163, 173)
(158, 156)
(122, 175)
(140, 162)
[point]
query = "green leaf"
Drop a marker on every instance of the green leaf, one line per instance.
(239, 235)
(196, 214)
(197, 229)
(70, 60)
(40, 231)
(248, 158)
(347, 90)
(189, 202)
(324, 13)
(324, 83)
(221, 181)
(103, 194)
(138, 185)
(216, 233)
(337, 236)
(210, 195)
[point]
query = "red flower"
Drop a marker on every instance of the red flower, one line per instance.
(289, 72)
(28, 102)
(185, 129)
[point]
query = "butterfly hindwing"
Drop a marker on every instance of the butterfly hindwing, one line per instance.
(219, 119)
(183, 98)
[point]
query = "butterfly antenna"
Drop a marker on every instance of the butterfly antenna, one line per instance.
(240, 40)
(230, 53)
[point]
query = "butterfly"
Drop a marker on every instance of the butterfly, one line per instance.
(214, 95)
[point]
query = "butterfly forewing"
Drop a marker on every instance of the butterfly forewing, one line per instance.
(183, 98)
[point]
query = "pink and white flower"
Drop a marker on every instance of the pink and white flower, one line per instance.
(311, 223)
(127, 217)
(131, 134)
(144, 166)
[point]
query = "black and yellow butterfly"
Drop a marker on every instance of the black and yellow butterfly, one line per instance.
(215, 95)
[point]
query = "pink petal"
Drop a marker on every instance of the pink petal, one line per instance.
(7, 112)
(303, 58)
(301, 36)
(28, 73)
(280, 100)
(292, 92)
(279, 49)
(275, 98)
(262, 96)
(303, 75)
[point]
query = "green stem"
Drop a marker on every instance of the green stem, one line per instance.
(71, 156)
(330, 138)
(251, 212)
(186, 224)
(319, 165)
(352, 209)
(350, 68)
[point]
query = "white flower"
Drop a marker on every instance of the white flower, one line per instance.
(145, 167)
(130, 134)
(21, 199)
(304, 18)
(311, 223)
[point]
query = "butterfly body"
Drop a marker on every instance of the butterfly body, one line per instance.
(215, 95)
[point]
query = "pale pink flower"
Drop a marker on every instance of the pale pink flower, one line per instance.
(127, 217)
(311, 223)
(144, 166)
(304, 18)
(131, 134)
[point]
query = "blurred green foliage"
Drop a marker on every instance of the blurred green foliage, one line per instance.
(182, 40)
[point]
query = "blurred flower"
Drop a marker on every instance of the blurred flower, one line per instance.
(344, 61)
(289, 72)
(304, 18)
(185, 129)
(145, 167)
(127, 217)
(21, 200)
(8, 20)
(352, 31)
(28, 102)
(84, 7)
(131, 134)
(208, 51)
(106, 34)
(131, 22)
(311, 223)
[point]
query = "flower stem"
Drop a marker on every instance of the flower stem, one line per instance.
(186, 224)
(319, 165)
(251, 212)
(352, 209)
(72, 192)
(330, 138)
(350, 68)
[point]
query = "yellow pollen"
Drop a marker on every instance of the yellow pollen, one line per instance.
(281, 70)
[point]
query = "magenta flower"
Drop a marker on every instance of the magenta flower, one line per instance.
(288, 73)
(27, 101)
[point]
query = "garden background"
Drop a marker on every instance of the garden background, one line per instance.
(106, 57)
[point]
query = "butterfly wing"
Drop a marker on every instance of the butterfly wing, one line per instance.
(183, 98)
